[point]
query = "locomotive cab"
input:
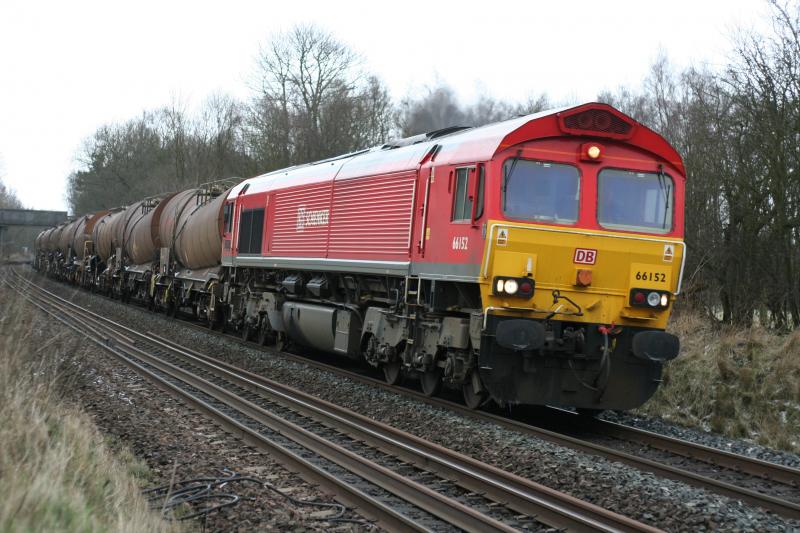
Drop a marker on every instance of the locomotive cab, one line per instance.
(582, 261)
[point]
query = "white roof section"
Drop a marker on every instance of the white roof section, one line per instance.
(471, 145)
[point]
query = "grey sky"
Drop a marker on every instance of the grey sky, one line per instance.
(68, 67)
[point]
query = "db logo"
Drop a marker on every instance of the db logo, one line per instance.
(584, 256)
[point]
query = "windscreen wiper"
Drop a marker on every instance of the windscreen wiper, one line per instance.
(662, 183)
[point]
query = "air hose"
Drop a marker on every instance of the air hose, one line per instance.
(601, 381)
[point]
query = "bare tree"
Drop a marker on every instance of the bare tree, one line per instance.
(8, 198)
(440, 108)
(314, 100)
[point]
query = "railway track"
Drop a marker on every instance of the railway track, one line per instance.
(399, 480)
(709, 468)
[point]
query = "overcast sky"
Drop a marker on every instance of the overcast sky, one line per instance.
(67, 67)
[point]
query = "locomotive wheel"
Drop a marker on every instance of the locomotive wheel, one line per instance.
(219, 320)
(431, 382)
(265, 333)
(282, 342)
(472, 398)
(392, 372)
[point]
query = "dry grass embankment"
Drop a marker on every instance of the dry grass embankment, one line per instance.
(740, 382)
(57, 473)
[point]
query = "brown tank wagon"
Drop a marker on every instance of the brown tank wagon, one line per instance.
(69, 233)
(53, 238)
(103, 233)
(142, 239)
(171, 247)
(197, 233)
(121, 224)
(38, 241)
(85, 234)
(41, 240)
(173, 209)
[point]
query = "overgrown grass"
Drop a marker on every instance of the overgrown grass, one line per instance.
(739, 382)
(57, 473)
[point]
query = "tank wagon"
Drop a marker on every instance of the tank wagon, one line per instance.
(531, 261)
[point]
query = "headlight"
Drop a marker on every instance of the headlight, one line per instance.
(518, 287)
(653, 299)
(511, 286)
(664, 300)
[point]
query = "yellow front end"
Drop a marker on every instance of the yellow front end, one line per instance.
(556, 346)
(592, 271)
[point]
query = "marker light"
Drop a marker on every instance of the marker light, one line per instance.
(639, 298)
(653, 299)
(591, 151)
(511, 286)
(664, 300)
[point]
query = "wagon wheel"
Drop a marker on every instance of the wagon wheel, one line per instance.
(588, 412)
(472, 398)
(247, 331)
(431, 382)
(172, 308)
(265, 334)
(212, 317)
(219, 318)
(392, 372)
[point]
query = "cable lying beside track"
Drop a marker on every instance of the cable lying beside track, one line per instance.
(216, 493)
(209, 386)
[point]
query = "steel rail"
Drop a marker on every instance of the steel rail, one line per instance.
(692, 450)
(344, 492)
(547, 505)
(747, 465)
(521, 494)
(443, 507)
(777, 505)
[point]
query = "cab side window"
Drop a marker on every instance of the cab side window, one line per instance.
(228, 217)
(462, 202)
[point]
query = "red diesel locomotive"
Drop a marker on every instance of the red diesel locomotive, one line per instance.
(530, 261)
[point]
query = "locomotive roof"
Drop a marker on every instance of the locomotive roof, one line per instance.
(455, 146)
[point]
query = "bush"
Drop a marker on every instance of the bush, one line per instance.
(58, 473)
(739, 382)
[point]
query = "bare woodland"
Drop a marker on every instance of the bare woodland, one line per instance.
(737, 127)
